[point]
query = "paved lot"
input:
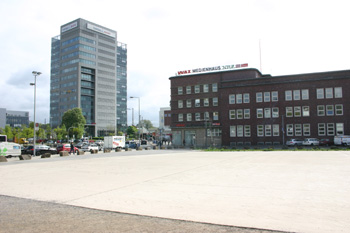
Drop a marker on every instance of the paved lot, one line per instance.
(287, 191)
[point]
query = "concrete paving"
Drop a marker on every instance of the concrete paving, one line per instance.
(293, 191)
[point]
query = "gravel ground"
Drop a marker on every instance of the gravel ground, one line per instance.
(24, 215)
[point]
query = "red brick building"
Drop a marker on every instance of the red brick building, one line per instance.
(244, 107)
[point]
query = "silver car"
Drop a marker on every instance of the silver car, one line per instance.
(311, 142)
(294, 142)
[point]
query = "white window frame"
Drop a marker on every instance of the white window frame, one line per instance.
(305, 94)
(206, 102)
(246, 113)
(330, 129)
(246, 98)
(320, 93)
(338, 108)
(296, 95)
(339, 128)
(306, 129)
(247, 131)
(259, 97)
(267, 96)
(180, 104)
(321, 110)
(232, 114)
(232, 99)
(338, 92)
(240, 131)
(189, 103)
(288, 95)
(329, 92)
(214, 87)
(274, 96)
(275, 112)
(330, 110)
(297, 111)
(233, 131)
(267, 112)
(275, 130)
(306, 111)
(215, 116)
(205, 88)
(239, 113)
(189, 117)
(290, 130)
(298, 130)
(198, 116)
(321, 129)
(259, 113)
(179, 91)
(268, 130)
(260, 130)
(215, 101)
(239, 99)
(188, 89)
(197, 103)
(197, 89)
(180, 117)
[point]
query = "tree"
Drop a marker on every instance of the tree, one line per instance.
(147, 124)
(131, 131)
(27, 132)
(74, 119)
(8, 132)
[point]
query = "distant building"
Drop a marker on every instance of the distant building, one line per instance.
(13, 118)
(244, 107)
(89, 71)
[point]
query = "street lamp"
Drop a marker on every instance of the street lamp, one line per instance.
(35, 73)
(134, 97)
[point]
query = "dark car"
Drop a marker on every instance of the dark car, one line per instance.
(326, 142)
(39, 150)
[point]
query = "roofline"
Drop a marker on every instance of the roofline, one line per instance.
(216, 72)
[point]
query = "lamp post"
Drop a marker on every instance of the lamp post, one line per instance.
(35, 73)
(134, 97)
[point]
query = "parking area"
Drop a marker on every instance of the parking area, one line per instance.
(293, 191)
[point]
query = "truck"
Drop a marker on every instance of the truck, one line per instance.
(112, 142)
(342, 140)
(9, 149)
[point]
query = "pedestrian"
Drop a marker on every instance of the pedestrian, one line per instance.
(71, 148)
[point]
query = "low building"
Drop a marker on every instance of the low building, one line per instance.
(244, 107)
(13, 118)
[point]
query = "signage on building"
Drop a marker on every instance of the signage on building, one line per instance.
(180, 125)
(69, 26)
(214, 68)
(101, 30)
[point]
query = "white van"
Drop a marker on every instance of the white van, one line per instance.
(342, 140)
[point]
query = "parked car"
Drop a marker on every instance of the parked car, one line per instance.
(39, 150)
(89, 147)
(294, 142)
(326, 142)
(311, 142)
(80, 144)
(66, 147)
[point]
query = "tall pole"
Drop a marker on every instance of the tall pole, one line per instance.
(35, 73)
(133, 97)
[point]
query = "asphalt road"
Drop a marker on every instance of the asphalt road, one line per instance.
(24, 215)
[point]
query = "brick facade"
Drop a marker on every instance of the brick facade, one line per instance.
(244, 107)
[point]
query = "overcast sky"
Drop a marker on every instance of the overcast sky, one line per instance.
(163, 37)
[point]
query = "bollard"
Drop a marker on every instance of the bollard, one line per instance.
(80, 152)
(3, 159)
(25, 157)
(64, 153)
(118, 149)
(46, 155)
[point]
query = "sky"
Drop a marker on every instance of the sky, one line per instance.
(278, 37)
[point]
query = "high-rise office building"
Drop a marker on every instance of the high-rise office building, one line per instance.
(89, 71)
